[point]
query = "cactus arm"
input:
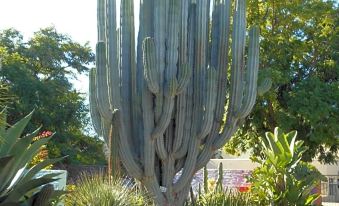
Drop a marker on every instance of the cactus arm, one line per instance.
(180, 122)
(165, 118)
(161, 127)
(236, 91)
(209, 104)
(127, 67)
(206, 154)
(151, 71)
(159, 39)
(145, 31)
(102, 84)
(219, 57)
(238, 47)
(150, 81)
(149, 143)
(226, 134)
(170, 75)
(136, 91)
(180, 152)
(125, 151)
(183, 48)
(128, 83)
(105, 128)
(200, 64)
(252, 74)
(101, 12)
(185, 74)
(198, 83)
(95, 115)
(112, 50)
(172, 40)
(189, 166)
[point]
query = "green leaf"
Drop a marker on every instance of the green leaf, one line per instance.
(14, 133)
(271, 139)
(4, 161)
(37, 168)
(22, 144)
(291, 137)
(32, 151)
(20, 190)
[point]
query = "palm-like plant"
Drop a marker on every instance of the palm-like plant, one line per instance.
(18, 185)
(283, 178)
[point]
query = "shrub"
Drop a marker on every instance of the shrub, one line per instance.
(282, 178)
(225, 197)
(215, 194)
(98, 190)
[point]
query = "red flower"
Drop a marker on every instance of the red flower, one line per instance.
(46, 133)
(244, 189)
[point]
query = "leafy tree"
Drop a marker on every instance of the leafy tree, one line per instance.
(299, 52)
(38, 73)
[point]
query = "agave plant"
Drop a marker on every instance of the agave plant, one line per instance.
(283, 178)
(18, 184)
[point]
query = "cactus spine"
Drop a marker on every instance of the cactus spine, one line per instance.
(164, 95)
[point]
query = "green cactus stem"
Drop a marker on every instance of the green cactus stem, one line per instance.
(164, 92)
(219, 186)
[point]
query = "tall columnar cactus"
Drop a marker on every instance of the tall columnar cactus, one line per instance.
(163, 94)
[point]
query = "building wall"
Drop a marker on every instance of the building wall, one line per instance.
(247, 164)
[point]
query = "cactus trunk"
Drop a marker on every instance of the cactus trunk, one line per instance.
(165, 94)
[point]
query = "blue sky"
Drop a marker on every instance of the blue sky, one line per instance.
(76, 18)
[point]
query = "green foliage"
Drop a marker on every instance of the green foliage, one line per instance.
(223, 198)
(97, 189)
(282, 178)
(299, 52)
(38, 73)
(215, 194)
(17, 183)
